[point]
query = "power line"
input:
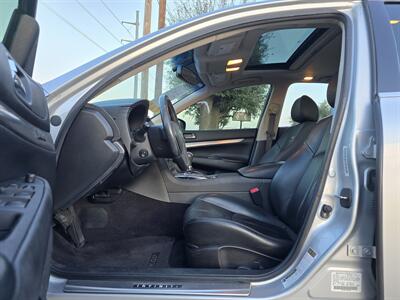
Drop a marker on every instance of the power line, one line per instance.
(98, 21)
(115, 17)
(73, 26)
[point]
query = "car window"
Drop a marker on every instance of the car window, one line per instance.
(394, 13)
(146, 85)
(317, 92)
(278, 46)
(237, 108)
(84, 30)
(6, 9)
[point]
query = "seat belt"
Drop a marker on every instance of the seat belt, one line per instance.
(270, 131)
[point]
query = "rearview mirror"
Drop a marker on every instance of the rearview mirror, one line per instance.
(187, 75)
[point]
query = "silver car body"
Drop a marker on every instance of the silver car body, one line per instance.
(333, 253)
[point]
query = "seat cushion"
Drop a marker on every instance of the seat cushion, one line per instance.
(225, 232)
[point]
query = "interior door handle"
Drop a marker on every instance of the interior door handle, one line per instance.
(189, 136)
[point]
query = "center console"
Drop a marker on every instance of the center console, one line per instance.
(164, 183)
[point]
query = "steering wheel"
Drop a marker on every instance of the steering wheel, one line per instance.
(174, 133)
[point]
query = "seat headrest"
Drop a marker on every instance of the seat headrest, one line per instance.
(331, 92)
(304, 109)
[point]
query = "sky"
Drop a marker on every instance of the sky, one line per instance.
(73, 32)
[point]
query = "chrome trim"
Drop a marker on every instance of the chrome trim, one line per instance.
(186, 289)
(213, 143)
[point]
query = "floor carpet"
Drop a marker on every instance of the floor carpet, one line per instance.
(119, 255)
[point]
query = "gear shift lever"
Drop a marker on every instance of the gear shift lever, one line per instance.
(190, 173)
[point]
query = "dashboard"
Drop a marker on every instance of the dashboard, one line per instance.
(133, 124)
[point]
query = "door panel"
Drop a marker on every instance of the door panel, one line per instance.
(25, 238)
(28, 164)
(220, 150)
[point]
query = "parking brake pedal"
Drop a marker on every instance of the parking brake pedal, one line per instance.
(69, 221)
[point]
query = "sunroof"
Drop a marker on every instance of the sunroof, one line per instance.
(277, 47)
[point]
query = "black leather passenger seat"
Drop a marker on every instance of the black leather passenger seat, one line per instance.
(225, 232)
(304, 112)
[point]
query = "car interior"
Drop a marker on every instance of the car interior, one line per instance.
(130, 188)
(136, 193)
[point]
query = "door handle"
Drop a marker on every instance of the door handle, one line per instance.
(189, 136)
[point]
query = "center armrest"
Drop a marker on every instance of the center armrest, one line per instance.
(262, 170)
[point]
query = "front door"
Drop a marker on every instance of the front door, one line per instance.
(27, 160)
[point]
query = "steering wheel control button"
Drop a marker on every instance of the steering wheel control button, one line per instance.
(143, 153)
(326, 211)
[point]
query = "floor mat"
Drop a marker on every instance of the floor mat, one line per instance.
(128, 216)
(118, 255)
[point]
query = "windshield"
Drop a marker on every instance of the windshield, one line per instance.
(149, 84)
(6, 9)
(84, 30)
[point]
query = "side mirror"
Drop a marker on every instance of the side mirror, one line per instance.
(182, 124)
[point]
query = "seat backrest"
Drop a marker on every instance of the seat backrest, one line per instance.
(292, 188)
(305, 113)
(292, 185)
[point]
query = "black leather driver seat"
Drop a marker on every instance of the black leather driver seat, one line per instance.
(226, 232)
(304, 112)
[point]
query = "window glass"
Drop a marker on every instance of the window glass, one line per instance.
(146, 86)
(394, 13)
(317, 92)
(6, 9)
(237, 108)
(84, 30)
(278, 46)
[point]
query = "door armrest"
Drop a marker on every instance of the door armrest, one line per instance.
(261, 171)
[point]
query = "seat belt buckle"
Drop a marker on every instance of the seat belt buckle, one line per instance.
(256, 196)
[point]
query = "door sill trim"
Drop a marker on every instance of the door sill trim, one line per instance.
(169, 288)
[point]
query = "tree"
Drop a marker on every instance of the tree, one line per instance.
(324, 109)
(216, 111)
(186, 9)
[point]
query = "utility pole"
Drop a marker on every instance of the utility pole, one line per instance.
(146, 30)
(136, 24)
(159, 69)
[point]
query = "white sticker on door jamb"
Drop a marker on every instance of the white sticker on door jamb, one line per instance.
(346, 282)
